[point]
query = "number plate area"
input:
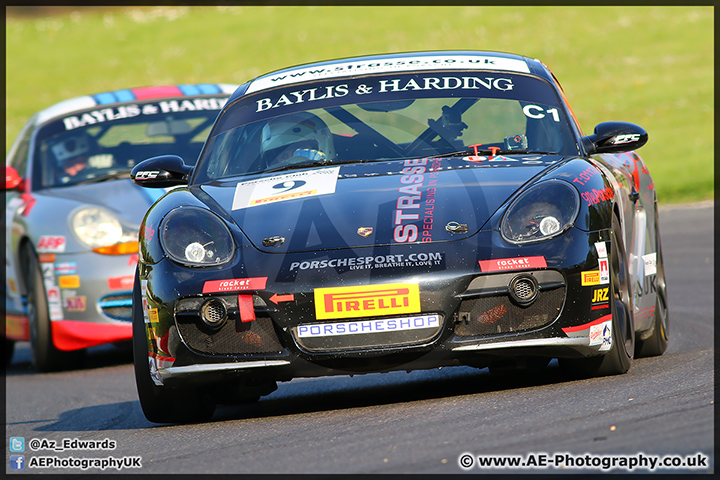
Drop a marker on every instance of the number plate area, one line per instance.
(368, 333)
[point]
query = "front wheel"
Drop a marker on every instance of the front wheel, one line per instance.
(161, 404)
(45, 357)
(620, 356)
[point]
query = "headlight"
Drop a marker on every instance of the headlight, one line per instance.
(194, 236)
(544, 211)
(97, 227)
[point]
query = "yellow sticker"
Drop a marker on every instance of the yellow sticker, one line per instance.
(280, 198)
(591, 278)
(600, 295)
(367, 301)
(69, 281)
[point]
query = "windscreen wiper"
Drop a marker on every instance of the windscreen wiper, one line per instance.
(316, 163)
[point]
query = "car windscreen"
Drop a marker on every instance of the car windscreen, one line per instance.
(382, 117)
(107, 142)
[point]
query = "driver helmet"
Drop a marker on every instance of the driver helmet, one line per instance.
(70, 147)
(296, 135)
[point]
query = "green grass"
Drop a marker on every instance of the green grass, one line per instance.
(648, 65)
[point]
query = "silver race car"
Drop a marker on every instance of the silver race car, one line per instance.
(72, 213)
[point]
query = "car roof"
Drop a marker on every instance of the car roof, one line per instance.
(131, 95)
(397, 62)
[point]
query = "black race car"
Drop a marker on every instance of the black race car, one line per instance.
(394, 212)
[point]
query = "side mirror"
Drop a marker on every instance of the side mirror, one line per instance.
(160, 172)
(13, 179)
(615, 137)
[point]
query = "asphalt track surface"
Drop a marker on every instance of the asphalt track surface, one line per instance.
(420, 422)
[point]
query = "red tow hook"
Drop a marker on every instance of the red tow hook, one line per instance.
(493, 150)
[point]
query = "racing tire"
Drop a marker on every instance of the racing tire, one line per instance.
(45, 357)
(162, 404)
(657, 342)
(620, 356)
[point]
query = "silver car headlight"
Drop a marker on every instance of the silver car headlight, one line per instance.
(196, 237)
(96, 227)
(543, 211)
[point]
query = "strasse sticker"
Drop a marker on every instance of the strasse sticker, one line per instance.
(418, 179)
(367, 301)
(281, 188)
(368, 326)
(400, 64)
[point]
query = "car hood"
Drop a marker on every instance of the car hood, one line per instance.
(371, 204)
(122, 197)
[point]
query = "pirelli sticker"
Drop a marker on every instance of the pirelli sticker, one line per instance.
(367, 301)
(590, 278)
